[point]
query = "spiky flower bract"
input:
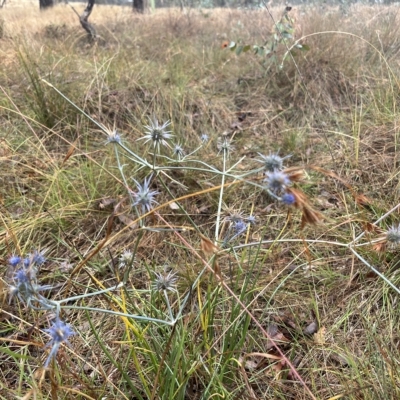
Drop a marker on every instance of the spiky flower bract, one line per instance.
(158, 134)
(143, 196)
(277, 181)
(272, 162)
(38, 258)
(164, 281)
(204, 138)
(234, 215)
(27, 290)
(113, 137)
(225, 145)
(239, 227)
(393, 236)
(252, 220)
(125, 258)
(35, 259)
(178, 151)
(59, 332)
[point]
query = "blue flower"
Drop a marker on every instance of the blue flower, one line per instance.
(59, 332)
(22, 276)
(38, 258)
(25, 286)
(113, 137)
(204, 138)
(288, 199)
(277, 181)
(239, 227)
(144, 196)
(14, 260)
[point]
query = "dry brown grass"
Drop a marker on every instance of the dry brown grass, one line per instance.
(334, 110)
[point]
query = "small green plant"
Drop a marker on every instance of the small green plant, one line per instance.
(282, 37)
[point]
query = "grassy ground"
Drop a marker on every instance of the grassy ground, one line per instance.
(298, 313)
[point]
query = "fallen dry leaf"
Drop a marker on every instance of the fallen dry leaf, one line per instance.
(319, 337)
(173, 206)
(127, 221)
(310, 329)
(208, 247)
(106, 202)
(275, 336)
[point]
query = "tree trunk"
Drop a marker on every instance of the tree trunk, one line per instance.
(46, 4)
(84, 19)
(89, 28)
(138, 6)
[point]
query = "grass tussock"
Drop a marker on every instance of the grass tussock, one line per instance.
(236, 279)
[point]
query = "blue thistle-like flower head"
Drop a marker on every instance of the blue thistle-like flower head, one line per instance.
(59, 333)
(143, 196)
(288, 199)
(24, 285)
(272, 162)
(22, 276)
(164, 281)
(277, 181)
(113, 137)
(178, 151)
(225, 145)
(158, 134)
(239, 227)
(204, 138)
(14, 260)
(38, 258)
